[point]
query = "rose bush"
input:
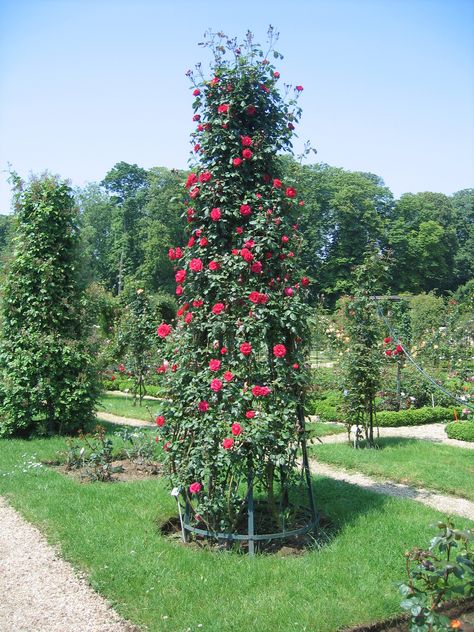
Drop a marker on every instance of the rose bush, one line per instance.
(240, 281)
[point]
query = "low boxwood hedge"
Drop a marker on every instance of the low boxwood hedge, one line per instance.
(414, 416)
(462, 430)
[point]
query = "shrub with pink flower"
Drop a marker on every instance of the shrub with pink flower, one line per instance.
(221, 414)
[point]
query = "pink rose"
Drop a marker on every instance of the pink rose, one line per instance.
(198, 303)
(279, 351)
(216, 385)
(195, 488)
(299, 88)
(216, 214)
(215, 365)
(163, 330)
(223, 350)
(203, 242)
(179, 290)
(289, 291)
(195, 265)
(218, 308)
(246, 348)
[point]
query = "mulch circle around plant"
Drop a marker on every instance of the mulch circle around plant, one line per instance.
(282, 547)
(463, 611)
(124, 471)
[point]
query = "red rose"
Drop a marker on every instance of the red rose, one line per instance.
(197, 147)
(251, 109)
(191, 242)
(260, 391)
(249, 243)
(166, 446)
(113, 378)
(289, 291)
(160, 421)
(246, 255)
(178, 252)
(194, 192)
(214, 266)
(276, 74)
(387, 340)
(188, 318)
(197, 117)
(172, 254)
(236, 429)
(174, 367)
(203, 242)
(299, 88)
(218, 308)
(223, 350)
(399, 349)
(290, 192)
(214, 81)
(203, 406)
(245, 210)
(196, 92)
(228, 376)
(216, 385)
(239, 230)
(227, 444)
(277, 183)
(180, 276)
(262, 299)
(214, 365)
(216, 214)
(256, 267)
(279, 351)
(250, 414)
(195, 265)
(237, 162)
(305, 281)
(205, 176)
(246, 141)
(247, 154)
(195, 488)
(223, 109)
(198, 303)
(246, 348)
(163, 330)
(254, 296)
(291, 126)
(192, 179)
(296, 366)
(388, 352)
(179, 290)
(264, 88)
(121, 368)
(285, 239)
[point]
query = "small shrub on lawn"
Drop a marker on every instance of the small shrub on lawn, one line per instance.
(414, 417)
(461, 430)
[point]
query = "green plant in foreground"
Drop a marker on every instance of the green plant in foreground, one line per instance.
(461, 430)
(436, 575)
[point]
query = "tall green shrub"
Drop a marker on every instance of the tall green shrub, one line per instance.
(237, 352)
(47, 374)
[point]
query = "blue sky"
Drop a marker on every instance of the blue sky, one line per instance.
(388, 84)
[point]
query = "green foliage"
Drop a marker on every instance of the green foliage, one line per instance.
(48, 378)
(461, 430)
(443, 572)
(414, 417)
(328, 405)
(239, 343)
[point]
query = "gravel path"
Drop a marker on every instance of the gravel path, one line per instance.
(446, 504)
(122, 421)
(39, 591)
(428, 432)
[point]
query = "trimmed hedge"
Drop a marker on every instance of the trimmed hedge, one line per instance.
(414, 417)
(461, 430)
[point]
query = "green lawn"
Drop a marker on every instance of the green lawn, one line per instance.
(123, 406)
(420, 463)
(322, 429)
(110, 531)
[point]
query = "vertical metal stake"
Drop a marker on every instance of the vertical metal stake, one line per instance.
(250, 515)
(304, 449)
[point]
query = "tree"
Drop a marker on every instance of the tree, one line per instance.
(48, 379)
(463, 216)
(233, 421)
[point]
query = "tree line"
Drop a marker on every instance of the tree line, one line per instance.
(131, 218)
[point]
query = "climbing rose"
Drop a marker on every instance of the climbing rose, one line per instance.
(236, 429)
(160, 421)
(223, 350)
(218, 308)
(247, 154)
(276, 74)
(388, 352)
(299, 88)
(277, 183)
(214, 265)
(305, 281)
(180, 276)
(196, 92)
(237, 162)
(257, 297)
(223, 109)
(188, 318)
(279, 351)
(289, 291)
(172, 254)
(250, 414)
(260, 391)
(194, 192)
(387, 340)
(216, 385)
(227, 444)
(246, 348)
(191, 242)
(228, 376)
(290, 192)
(246, 254)
(245, 210)
(203, 406)
(215, 365)
(198, 303)
(399, 349)
(205, 176)
(203, 242)
(179, 290)
(195, 265)
(285, 239)
(246, 141)
(163, 330)
(216, 214)
(195, 488)
(192, 179)
(256, 267)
